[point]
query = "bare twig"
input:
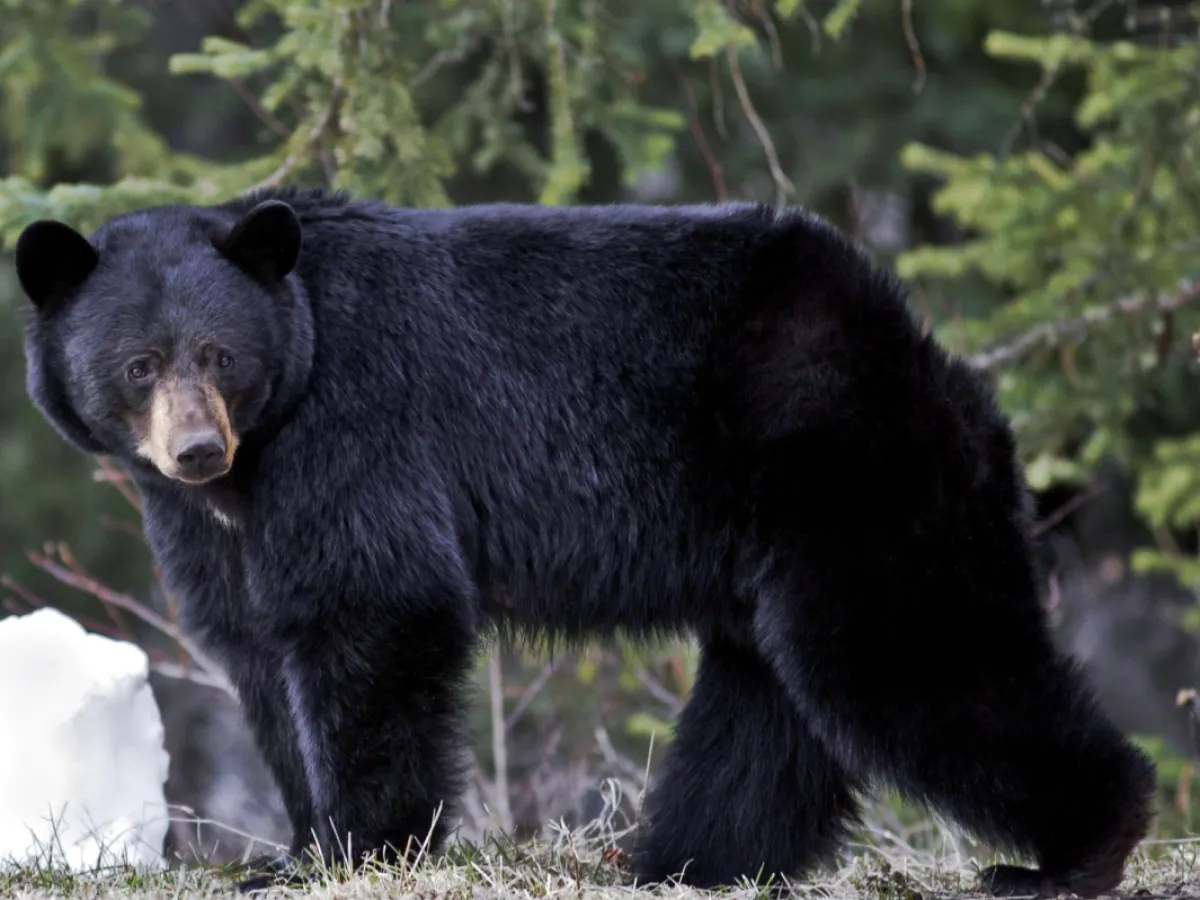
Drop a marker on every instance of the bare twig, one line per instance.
(617, 760)
(465, 43)
(260, 112)
(68, 558)
(1029, 109)
(814, 28)
(718, 97)
(512, 52)
(783, 186)
(1066, 509)
(297, 156)
(658, 691)
(910, 36)
(530, 693)
(499, 742)
(33, 602)
(773, 39)
(710, 160)
(1053, 332)
(123, 527)
(118, 479)
(194, 675)
(189, 817)
(158, 664)
(107, 596)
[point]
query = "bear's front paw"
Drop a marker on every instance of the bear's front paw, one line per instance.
(269, 872)
(1016, 881)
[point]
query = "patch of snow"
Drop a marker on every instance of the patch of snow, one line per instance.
(82, 761)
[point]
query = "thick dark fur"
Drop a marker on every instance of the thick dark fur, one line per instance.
(577, 422)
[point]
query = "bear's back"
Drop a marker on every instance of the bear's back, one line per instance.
(554, 369)
(606, 319)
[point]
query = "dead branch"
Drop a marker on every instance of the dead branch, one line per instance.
(466, 42)
(914, 48)
(260, 112)
(621, 763)
(33, 602)
(195, 675)
(120, 480)
(297, 156)
(530, 693)
(714, 82)
(158, 663)
(783, 186)
(1052, 333)
(659, 691)
(108, 597)
(68, 558)
(698, 135)
(499, 741)
(1058, 515)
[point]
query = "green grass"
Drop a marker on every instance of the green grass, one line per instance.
(584, 865)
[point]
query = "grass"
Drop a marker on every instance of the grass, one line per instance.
(586, 865)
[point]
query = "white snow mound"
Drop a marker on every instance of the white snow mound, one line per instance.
(82, 762)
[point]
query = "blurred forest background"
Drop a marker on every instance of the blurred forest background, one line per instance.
(1031, 166)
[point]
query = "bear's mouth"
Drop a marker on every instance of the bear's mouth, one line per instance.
(196, 481)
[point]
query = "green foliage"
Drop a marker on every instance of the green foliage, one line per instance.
(59, 106)
(357, 96)
(1092, 258)
(839, 17)
(353, 82)
(717, 31)
(55, 101)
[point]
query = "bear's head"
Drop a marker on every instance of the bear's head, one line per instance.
(162, 339)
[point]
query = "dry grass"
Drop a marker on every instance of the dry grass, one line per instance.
(585, 865)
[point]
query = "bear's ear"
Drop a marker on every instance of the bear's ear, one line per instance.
(52, 258)
(265, 241)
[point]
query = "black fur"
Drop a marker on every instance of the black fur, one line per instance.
(586, 421)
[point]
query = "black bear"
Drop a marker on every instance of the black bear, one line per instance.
(366, 438)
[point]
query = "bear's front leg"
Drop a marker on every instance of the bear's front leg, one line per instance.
(359, 589)
(378, 705)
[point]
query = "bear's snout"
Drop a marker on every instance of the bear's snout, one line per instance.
(186, 431)
(200, 455)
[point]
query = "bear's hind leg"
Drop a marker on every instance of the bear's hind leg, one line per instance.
(964, 704)
(746, 790)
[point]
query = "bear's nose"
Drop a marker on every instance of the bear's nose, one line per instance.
(201, 455)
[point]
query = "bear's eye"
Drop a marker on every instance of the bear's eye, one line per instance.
(137, 371)
(224, 360)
